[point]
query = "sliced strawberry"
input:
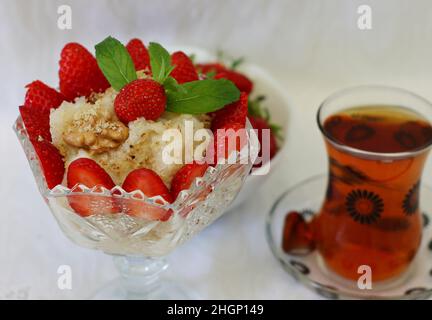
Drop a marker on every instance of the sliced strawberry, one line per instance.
(210, 67)
(151, 185)
(51, 162)
(298, 237)
(87, 172)
(234, 112)
(261, 124)
(184, 70)
(79, 72)
(36, 121)
(229, 138)
(41, 96)
(240, 80)
(184, 178)
(140, 98)
(139, 54)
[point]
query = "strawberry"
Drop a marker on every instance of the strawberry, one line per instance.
(210, 67)
(36, 121)
(51, 162)
(151, 185)
(139, 54)
(79, 72)
(140, 98)
(260, 124)
(240, 80)
(224, 136)
(183, 178)
(41, 96)
(298, 237)
(87, 172)
(184, 70)
(234, 112)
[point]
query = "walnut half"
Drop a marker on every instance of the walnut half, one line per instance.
(96, 135)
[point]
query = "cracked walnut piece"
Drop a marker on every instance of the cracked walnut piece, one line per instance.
(94, 132)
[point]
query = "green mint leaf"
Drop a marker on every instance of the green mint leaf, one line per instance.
(211, 74)
(202, 96)
(171, 85)
(115, 62)
(160, 61)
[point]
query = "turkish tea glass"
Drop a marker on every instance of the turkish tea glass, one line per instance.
(371, 216)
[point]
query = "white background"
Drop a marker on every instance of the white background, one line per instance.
(313, 47)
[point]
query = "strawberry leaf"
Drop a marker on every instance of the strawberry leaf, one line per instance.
(160, 61)
(202, 96)
(115, 62)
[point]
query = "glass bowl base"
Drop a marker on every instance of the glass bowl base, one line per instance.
(165, 290)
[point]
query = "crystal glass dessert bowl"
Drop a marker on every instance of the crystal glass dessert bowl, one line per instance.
(139, 244)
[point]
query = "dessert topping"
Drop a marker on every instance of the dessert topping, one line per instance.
(94, 132)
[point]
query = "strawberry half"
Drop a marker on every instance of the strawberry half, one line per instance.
(183, 179)
(234, 112)
(87, 172)
(139, 54)
(51, 161)
(240, 80)
(261, 124)
(229, 138)
(39, 101)
(210, 67)
(184, 70)
(41, 96)
(36, 122)
(79, 72)
(140, 98)
(150, 184)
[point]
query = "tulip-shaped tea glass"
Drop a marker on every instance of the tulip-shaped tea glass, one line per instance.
(377, 139)
(137, 244)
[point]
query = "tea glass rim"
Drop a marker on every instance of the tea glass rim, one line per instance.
(389, 156)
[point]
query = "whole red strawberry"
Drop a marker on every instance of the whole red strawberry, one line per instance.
(41, 96)
(140, 98)
(139, 54)
(79, 72)
(51, 162)
(87, 172)
(184, 70)
(183, 179)
(150, 184)
(234, 112)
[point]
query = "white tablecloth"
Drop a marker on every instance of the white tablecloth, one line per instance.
(312, 47)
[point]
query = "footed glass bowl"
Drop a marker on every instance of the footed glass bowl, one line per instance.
(139, 245)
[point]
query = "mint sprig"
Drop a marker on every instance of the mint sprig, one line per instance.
(115, 62)
(196, 97)
(160, 62)
(202, 96)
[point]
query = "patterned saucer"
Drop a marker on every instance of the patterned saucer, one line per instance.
(306, 197)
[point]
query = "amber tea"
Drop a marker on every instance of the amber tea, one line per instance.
(371, 212)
